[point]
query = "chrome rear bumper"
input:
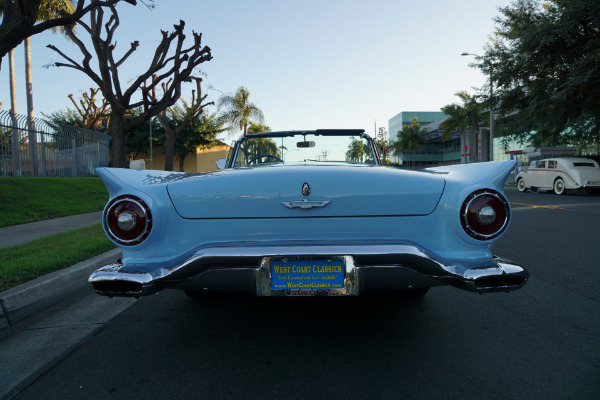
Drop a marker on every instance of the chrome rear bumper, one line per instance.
(370, 266)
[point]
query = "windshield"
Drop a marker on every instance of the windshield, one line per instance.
(303, 148)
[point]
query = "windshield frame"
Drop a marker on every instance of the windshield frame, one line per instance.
(319, 132)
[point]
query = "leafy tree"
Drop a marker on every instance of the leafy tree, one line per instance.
(463, 117)
(200, 133)
(178, 120)
(138, 139)
(239, 110)
(168, 70)
(92, 116)
(410, 138)
(383, 145)
(544, 59)
(357, 151)
(66, 116)
(20, 20)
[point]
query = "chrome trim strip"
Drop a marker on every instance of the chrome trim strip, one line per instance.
(468, 276)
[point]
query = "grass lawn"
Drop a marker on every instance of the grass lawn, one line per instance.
(25, 200)
(25, 262)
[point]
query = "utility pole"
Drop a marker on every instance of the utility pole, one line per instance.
(150, 138)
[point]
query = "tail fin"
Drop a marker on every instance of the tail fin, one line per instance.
(495, 172)
(117, 179)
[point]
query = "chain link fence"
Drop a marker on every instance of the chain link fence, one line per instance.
(45, 148)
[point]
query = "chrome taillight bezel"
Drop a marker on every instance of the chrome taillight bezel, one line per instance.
(479, 200)
(143, 224)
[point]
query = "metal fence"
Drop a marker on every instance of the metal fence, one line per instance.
(46, 148)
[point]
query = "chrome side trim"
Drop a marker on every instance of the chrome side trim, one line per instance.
(305, 203)
(494, 275)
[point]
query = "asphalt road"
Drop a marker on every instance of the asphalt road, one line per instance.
(541, 342)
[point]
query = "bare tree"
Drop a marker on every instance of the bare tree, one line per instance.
(166, 70)
(91, 114)
(19, 20)
(192, 111)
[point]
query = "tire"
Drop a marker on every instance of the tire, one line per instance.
(200, 295)
(594, 192)
(559, 186)
(521, 185)
(414, 293)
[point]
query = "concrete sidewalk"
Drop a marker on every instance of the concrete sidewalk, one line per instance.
(44, 319)
(49, 317)
(19, 303)
(19, 234)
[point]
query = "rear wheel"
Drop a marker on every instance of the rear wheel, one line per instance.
(413, 293)
(200, 295)
(521, 185)
(559, 186)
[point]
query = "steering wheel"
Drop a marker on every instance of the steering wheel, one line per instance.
(269, 156)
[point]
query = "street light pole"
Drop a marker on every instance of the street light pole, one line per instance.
(150, 138)
(491, 106)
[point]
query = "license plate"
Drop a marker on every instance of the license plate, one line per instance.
(307, 274)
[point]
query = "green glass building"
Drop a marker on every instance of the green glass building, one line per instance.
(434, 151)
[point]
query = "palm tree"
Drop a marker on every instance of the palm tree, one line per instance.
(13, 105)
(410, 139)
(13, 113)
(258, 128)
(239, 110)
(462, 117)
(49, 9)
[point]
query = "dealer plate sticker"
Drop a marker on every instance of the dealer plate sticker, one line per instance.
(299, 273)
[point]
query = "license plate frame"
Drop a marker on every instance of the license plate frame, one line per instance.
(314, 275)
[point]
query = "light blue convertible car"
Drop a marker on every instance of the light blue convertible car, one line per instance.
(307, 213)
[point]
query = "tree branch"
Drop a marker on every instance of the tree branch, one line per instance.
(19, 20)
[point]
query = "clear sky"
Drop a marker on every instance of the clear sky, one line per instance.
(307, 64)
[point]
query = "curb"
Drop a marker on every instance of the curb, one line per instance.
(20, 303)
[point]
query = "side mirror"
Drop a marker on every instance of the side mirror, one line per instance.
(221, 162)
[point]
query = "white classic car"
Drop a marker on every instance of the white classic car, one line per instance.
(560, 175)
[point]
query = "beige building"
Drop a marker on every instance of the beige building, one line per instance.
(204, 160)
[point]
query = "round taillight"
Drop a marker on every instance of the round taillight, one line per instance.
(484, 214)
(128, 220)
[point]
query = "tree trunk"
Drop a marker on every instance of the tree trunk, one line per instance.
(169, 149)
(181, 162)
(116, 127)
(16, 161)
(169, 142)
(30, 116)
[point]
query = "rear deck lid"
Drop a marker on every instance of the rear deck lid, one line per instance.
(329, 191)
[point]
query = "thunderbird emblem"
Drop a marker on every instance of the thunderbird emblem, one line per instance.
(305, 203)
